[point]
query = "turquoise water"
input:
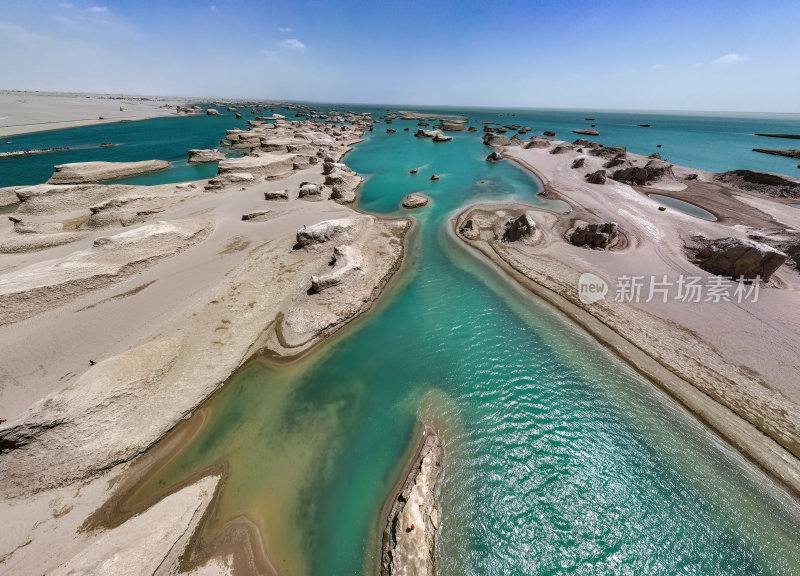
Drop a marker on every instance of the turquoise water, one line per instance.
(684, 207)
(559, 459)
(167, 138)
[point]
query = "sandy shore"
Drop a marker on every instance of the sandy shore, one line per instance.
(732, 364)
(25, 112)
(130, 305)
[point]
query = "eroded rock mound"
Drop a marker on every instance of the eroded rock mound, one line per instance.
(496, 140)
(601, 235)
(587, 132)
(736, 257)
(93, 172)
(522, 227)
(494, 157)
(324, 231)
(346, 261)
(652, 171)
(598, 177)
(762, 182)
(203, 156)
(415, 200)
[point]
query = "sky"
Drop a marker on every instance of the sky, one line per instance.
(704, 55)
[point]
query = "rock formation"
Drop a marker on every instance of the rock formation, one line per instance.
(598, 177)
(587, 132)
(535, 142)
(736, 257)
(322, 232)
(578, 163)
(93, 172)
(415, 200)
(762, 182)
(598, 235)
(494, 157)
(203, 156)
(346, 260)
(496, 140)
(276, 195)
(653, 170)
(522, 227)
(795, 153)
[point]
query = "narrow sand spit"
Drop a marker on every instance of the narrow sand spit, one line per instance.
(733, 364)
(124, 307)
(27, 112)
(411, 517)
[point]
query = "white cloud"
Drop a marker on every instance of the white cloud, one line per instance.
(64, 5)
(98, 9)
(212, 8)
(730, 59)
(284, 29)
(293, 43)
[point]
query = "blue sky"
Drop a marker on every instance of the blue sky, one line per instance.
(668, 55)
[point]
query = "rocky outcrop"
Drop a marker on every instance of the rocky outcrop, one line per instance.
(248, 168)
(496, 140)
(255, 215)
(587, 132)
(548, 133)
(601, 235)
(415, 200)
(736, 257)
(653, 170)
(578, 162)
(346, 261)
(795, 153)
(325, 231)
(522, 227)
(494, 157)
(535, 142)
(435, 177)
(791, 136)
(441, 137)
(203, 156)
(276, 195)
(608, 152)
(598, 177)
(451, 126)
(93, 172)
(762, 182)
(412, 521)
(212, 112)
(562, 148)
(309, 190)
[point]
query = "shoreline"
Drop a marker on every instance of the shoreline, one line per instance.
(531, 268)
(82, 109)
(243, 291)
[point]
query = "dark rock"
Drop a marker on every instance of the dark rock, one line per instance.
(579, 162)
(587, 132)
(609, 152)
(598, 177)
(762, 182)
(548, 133)
(535, 142)
(653, 170)
(601, 235)
(494, 157)
(434, 176)
(788, 153)
(691, 176)
(581, 142)
(655, 155)
(522, 227)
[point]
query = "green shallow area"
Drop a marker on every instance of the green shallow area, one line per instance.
(559, 458)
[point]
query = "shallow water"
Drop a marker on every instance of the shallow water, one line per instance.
(558, 458)
(685, 207)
